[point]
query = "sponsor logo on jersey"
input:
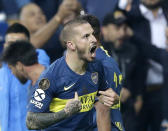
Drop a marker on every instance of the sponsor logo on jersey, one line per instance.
(68, 87)
(37, 103)
(87, 102)
(39, 95)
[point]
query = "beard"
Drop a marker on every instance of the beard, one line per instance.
(153, 6)
(22, 80)
(81, 54)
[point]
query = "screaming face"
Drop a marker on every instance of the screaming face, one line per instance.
(85, 42)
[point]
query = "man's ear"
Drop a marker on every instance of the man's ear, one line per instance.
(71, 45)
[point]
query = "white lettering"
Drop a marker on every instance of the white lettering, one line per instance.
(36, 103)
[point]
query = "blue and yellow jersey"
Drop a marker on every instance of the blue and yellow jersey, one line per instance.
(113, 78)
(58, 84)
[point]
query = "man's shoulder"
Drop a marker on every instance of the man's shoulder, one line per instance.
(50, 77)
(101, 53)
(104, 57)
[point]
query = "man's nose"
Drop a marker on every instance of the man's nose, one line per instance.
(93, 39)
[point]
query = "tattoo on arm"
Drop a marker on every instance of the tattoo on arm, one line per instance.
(44, 120)
(72, 107)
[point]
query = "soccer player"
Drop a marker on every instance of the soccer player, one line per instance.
(75, 72)
(21, 57)
(113, 77)
(148, 50)
(13, 93)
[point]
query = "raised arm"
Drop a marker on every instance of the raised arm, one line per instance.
(43, 120)
(40, 37)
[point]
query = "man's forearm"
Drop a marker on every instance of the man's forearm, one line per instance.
(103, 117)
(44, 120)
(40, 37)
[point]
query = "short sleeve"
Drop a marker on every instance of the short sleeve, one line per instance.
(112, 75)
(41, 94)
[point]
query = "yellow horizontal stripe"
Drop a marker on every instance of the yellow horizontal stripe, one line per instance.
(87, 101)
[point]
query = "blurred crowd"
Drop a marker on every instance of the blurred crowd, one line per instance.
(135, 34)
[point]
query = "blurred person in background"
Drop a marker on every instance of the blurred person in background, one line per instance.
(100, 8)
(49, 7)
(21, 58)
(46, 35)
(126, 55)
(113, 78)
(13, 93)
(149, 20)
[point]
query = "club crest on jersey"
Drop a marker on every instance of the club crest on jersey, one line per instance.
(44, 84)
(94, 77)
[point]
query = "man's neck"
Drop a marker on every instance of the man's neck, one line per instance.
(75, 64)
(34, 72)
(154, 10)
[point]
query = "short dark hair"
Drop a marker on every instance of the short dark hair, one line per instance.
(94, 22)
(67, 31)
(20, 51)
(18, 28)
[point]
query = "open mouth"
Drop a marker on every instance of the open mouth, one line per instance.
(93, 49)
